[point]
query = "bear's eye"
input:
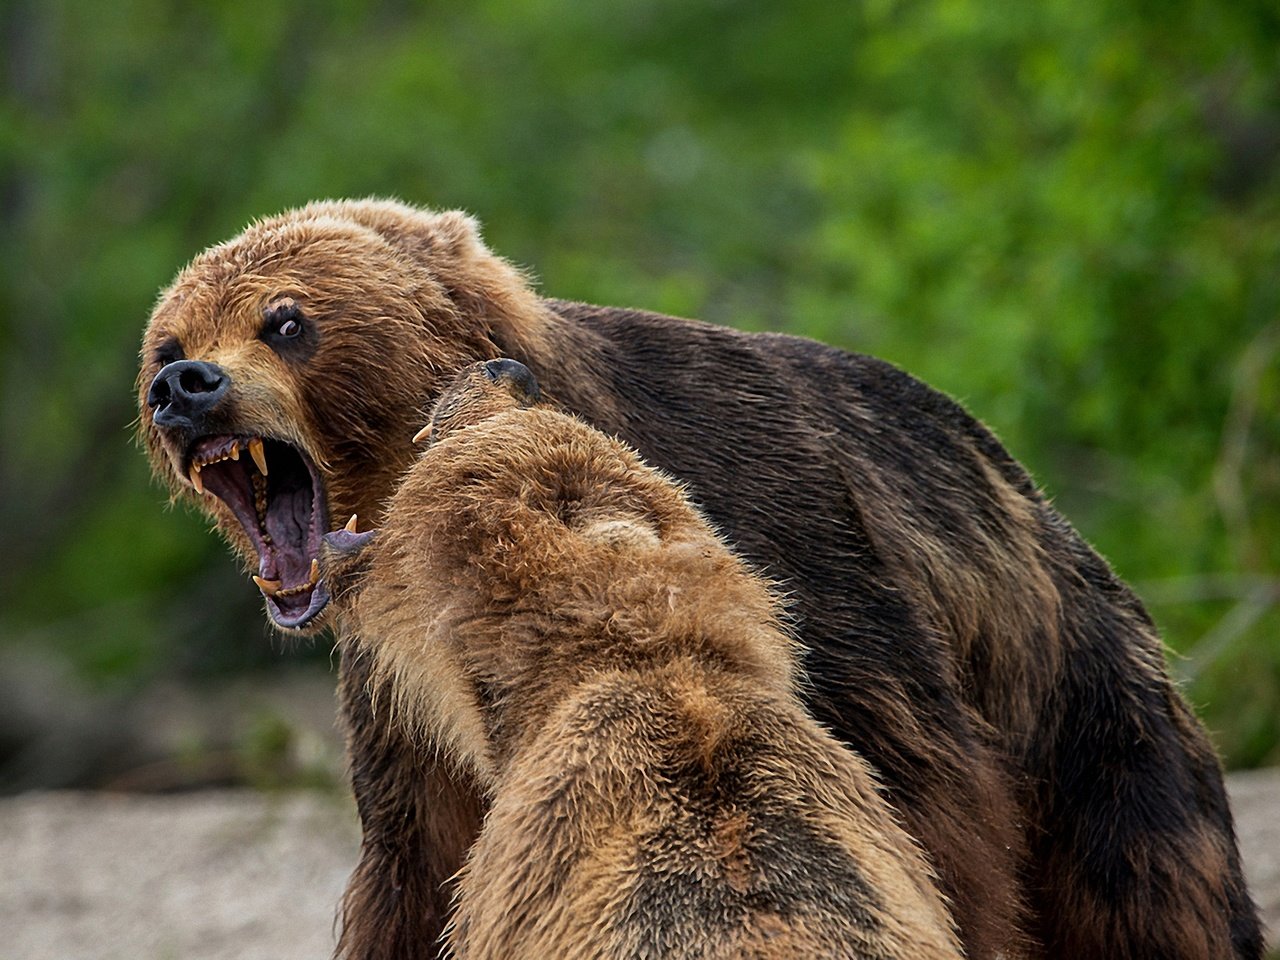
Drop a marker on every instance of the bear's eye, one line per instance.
(287, 330)
(169, 351)
(283, 319)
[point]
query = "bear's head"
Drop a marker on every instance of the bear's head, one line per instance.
(284, 372)
(526, 553)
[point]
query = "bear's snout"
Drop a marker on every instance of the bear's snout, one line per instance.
(184, 392)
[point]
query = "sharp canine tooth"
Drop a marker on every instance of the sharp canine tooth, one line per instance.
(422, 434)
(269, 587)
(315, 570)
(195, 478)
(259, 455)
(235, 450)
(351, 524)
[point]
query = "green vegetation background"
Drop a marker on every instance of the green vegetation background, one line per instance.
(1064, 213)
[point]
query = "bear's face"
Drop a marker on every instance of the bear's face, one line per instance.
(284, 373)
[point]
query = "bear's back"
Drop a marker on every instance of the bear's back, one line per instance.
(685, 811)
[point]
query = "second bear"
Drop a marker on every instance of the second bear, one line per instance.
(552, 613)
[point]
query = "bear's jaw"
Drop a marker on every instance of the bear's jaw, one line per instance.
(277, 495)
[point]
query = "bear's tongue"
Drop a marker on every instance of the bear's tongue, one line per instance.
(276, 495)
(287, 568)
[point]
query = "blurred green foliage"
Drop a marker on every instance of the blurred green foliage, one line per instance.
(1066, 214)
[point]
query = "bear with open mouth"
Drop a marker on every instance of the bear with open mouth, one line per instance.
(957, 633)
(551, 613)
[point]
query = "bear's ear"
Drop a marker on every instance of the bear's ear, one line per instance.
(486, 289)
(495, 298)
(453, 232)
(623, 532)
(417, 232)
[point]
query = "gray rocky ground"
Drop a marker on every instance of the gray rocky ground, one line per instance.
(238, 875)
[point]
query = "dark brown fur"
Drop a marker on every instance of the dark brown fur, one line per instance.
(552, 614)
(958, 633)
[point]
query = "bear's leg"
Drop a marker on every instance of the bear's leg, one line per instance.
(1134, 850)
(419, 818)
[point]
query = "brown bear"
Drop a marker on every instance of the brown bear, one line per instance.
(552, 614)
(958, 634)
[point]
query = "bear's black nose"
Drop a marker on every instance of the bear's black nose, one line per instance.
(518, 378)
(184, 392)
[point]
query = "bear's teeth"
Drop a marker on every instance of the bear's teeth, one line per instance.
(422, 434)
(273, 588)
(195, 478)
(259, 455)
(260, 501)
(235, 449)
(351, 524)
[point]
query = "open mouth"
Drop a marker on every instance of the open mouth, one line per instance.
(276, 493)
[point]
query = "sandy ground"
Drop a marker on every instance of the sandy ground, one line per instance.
(234, 875)
(229, 875)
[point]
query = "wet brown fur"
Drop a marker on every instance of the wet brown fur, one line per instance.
(1009, 691)
(553, 614)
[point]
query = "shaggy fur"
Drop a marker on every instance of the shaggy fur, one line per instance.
(553, 614)
(958, 634)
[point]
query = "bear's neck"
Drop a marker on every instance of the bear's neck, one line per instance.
(533, 694)
(611, 711)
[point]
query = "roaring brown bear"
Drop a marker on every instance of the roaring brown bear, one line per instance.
(552, 614)
(959, 635)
